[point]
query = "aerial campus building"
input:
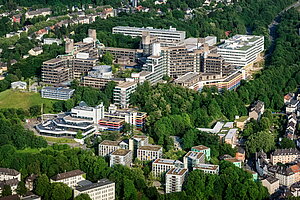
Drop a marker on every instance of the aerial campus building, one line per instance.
(241, 50)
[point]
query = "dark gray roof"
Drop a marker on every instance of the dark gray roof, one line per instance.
(271, 179)
(69, 174)
(100, 183)
(8, 171)
(257, 106)
(279, 152)
(10, 182)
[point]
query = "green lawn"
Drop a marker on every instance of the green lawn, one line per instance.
(59, 140)
(16, 99)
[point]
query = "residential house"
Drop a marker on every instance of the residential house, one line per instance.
(271, 183)
(284, 156)
(7, 174)
(257, 110)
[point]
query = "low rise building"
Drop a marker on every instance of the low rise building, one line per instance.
(240, 154)
(175, 178)
(234, 161)
(121, 157)
(149, 153)
(58, 93)
(207, 168)
(271, 183)
(107, 147)
(284, 156)
(30, 180)
(70, 178)
(35, 51)
(7, 174)
(104, 189)
(257, 110)
(160, 166)
(231, 137)
(202, 149)
(192, 159)
(19, 85)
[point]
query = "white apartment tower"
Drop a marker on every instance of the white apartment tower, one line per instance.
(122, 93)
(175, 178)
(149, 153)
(107, 147)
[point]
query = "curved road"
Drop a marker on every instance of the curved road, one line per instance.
(272, 28)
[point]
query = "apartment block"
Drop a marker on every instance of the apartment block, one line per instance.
(160, 166)
(164, 36)
(107, 147)
(99, 76)
(149, 153)
(271, 183)
(136, 142)
(6, 174)
(58, 93)
(70, 178)
(284, 156)
(120, 53)
(175, 178)
(202, 149)
(104, 189)
(121, 157)
(181, 60)
(193, 158)
(54, 71)
(122, 93)
(207, 168)
(214, 63)
(241, 50)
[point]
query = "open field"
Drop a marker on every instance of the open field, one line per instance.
(17, 99)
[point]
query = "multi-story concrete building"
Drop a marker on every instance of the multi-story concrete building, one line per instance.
(54, 71)
(284, 156)
(160, 166)
(104, 189)
(58, 93)
(207, 168)
(122, 93)
(175, 178)
(136, 142)
(121, 157)
(7, 174)
(234, 161)
(202, 149)
(70, 178)
(165, 36)
(271, 183)
(149, 153)
(156, 66)
(214, 63)
(107, 147)
(241, 50)
(193, 158)
(120, 53)
(84, 111)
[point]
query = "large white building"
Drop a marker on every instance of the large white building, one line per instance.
(121, 157)
(70, 178)
(7, 174)
(160, 166)
(136, 142)
(167, 36)
(241, 50)
(58, 93)
(175, 178)
(104, 189)
(85, 112)
(122, 93)
(149, 153)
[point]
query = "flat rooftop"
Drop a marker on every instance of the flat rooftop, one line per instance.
(188, 77)
(194, 155)
(240, 42)
(110, 143)
(165, 161)
(177, 171)
(207, 167)
(126, 84)
(200, 147)
(150, 148)
(121, 152)
(100, 183)
(171, 30)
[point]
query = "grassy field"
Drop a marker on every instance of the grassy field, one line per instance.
(59, 140)
(16, 99)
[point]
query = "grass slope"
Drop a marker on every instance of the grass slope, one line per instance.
(16, 99)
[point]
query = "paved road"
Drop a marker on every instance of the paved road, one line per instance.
(272, 28)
